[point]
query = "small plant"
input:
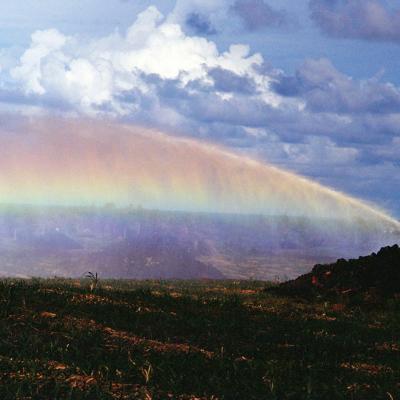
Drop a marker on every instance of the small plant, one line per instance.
(147, 372)
(94, 280)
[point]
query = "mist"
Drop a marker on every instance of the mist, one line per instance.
(81, 162)
(131, 202)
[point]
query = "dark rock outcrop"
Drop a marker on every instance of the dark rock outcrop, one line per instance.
(379, 273)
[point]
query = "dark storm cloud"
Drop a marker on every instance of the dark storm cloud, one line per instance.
(257, 14)
(357, 19)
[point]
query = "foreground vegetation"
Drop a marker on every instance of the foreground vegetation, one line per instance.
(65, 339)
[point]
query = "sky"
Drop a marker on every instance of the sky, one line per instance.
(312, 86)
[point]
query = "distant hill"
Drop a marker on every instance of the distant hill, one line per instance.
(55, 241)
(378, 272)
(144, 244)
(155, 258)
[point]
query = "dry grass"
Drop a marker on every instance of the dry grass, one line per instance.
(191, 340)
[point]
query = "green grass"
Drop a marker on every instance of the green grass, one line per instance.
(192, 340)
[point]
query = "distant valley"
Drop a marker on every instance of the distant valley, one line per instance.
(136, 243)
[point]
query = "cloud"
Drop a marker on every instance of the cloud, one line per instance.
(229, 82)
(325, 89)
(207, 17)
(200, 24)
(200, 17)
(29, 71)
(93, 75)
(318, 121)
(357, 19)
(257, 14)
(321, 150)
(155, 73)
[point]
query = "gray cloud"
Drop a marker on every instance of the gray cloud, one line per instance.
(228, 81)
(201, 108)
(200, 24)
(325, 89)
(257, 14)
(357, 19)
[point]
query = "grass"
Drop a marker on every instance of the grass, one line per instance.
(192, 340)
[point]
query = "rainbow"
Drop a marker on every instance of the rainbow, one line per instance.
(76, 162)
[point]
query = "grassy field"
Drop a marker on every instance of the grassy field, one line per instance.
(192, 340)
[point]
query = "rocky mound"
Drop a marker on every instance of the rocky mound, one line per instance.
(379, 273)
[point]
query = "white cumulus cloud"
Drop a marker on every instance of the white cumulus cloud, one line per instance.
(30, 71)
(91, 76)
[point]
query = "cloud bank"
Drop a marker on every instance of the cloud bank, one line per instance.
(317, 121)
